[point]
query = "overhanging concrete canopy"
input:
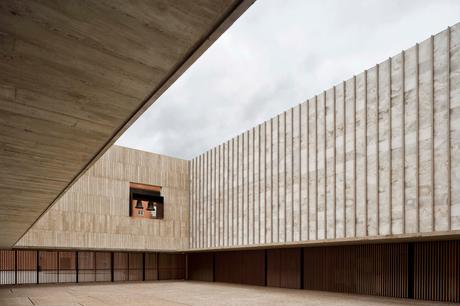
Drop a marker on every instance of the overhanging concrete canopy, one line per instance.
(74, 75)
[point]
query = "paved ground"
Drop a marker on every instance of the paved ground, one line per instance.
(181, 293)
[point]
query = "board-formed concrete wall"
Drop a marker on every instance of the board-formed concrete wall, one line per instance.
(94, 212)
(375, 156)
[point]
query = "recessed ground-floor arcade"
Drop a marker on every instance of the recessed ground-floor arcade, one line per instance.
(183, 293)
(424, 270)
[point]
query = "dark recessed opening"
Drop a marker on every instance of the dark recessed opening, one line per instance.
(145, 203)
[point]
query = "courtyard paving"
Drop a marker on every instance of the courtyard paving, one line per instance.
(182, 293)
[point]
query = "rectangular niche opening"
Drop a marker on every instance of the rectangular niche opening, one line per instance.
(145, 201)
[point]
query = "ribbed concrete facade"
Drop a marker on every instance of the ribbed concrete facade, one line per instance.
(375, 156)
(94, 212)
(312, 198)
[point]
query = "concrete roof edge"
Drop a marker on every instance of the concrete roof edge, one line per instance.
(216, 31)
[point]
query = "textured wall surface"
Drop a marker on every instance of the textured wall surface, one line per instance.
(94, 213)
(377, 155)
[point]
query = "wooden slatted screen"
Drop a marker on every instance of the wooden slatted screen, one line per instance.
(120, 266)
(86, 267)
(7, 267)
(437, 271)
(67, 267)
(379, 269)
(103, 266)
(244, 267)
(200, 266)
(26, 267)
(48, 267)
(421, 270)
(171, 266)
(151, 267)
(283, 268)
(52, 266)
(135, 267)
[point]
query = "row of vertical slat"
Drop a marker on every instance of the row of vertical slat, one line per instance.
(29, 267)
(373, 156)
(283, 268)
(437, 271)
(421, 270)
(365, 269)
(7, 267)
(243, 267)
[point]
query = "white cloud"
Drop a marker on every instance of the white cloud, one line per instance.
(278, 54)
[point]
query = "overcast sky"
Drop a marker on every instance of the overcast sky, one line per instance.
(275, 56)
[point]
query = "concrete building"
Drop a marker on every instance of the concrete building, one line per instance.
(356, 190)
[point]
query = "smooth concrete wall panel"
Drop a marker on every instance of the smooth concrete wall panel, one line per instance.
(240, 192)
(372, 140)
(296, 216)
(383, 93)
(455, 125)
(373, 156)
(220, 195)
(94, 213)
(411, 177)
(274, 188)
(245, 191)
(257, 217)
(251, 187)
(263, 181)
(288, 226)
(228, 193)
(360, 220)
(312, 200)
(234, 194)
(282, 146)
(425, 132)
(441, 131)
(200, 202)
(209, 202)
(192, 202)
(269, 181)
(321, 166)
(339, 161)
(330, 163)
(302, 168)
(397, 153)
(206, 232)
